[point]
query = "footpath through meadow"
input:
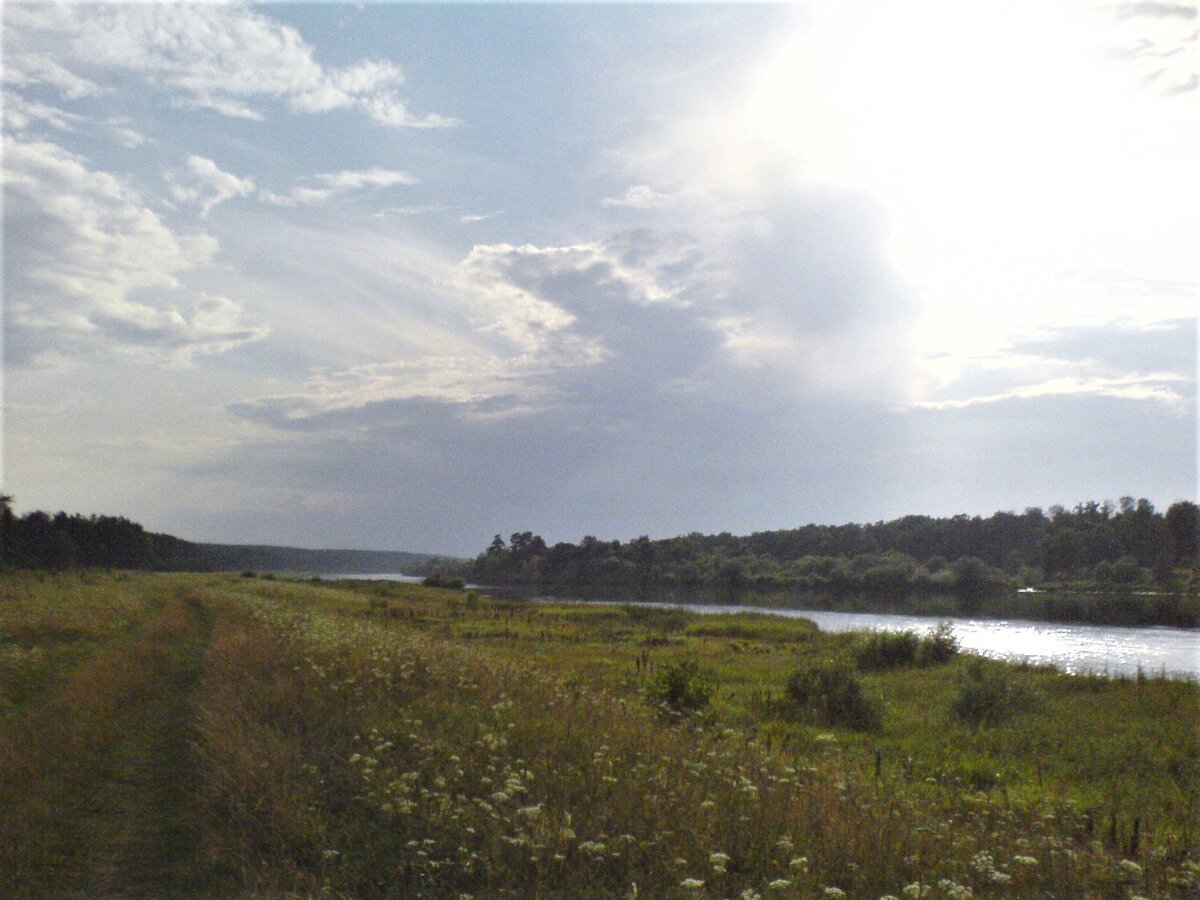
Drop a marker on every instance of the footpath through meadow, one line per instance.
(98, 775)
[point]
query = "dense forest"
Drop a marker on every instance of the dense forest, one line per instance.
(952, 564)
(39, 540)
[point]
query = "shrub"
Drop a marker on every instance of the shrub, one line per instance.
(886, 650)
(988, 696)
(939, 646)
(440, 580)
(683, 687)
(832, 694)
(893, 649)
(667, 618)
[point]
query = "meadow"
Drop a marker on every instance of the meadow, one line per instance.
(222, 735)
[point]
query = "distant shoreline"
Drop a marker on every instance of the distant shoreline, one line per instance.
(1128, 609)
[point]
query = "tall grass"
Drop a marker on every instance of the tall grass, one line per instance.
(398, 741)
(423, 766)
(71, 785)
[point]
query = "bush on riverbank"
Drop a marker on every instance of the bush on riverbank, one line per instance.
(987, 695)
(830, 694)
(880, 650)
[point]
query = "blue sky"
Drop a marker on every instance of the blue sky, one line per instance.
(399, 276)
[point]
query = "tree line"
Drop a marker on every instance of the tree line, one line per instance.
(40, 540)
(1095, 545)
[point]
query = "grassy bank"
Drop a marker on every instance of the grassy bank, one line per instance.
(216, 735)
(1076, 605)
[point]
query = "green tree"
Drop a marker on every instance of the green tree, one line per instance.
(1183, 531)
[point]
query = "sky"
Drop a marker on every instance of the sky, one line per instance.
(394, 276)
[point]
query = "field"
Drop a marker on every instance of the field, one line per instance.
(217, 735)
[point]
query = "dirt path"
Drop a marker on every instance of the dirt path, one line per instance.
(103, 800)
(153, 784)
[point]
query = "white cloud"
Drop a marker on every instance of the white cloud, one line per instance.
(417, 210)
(1122, 358)
(639, 196)
(20, 113)
(637, 284)
(91, 267)
(460, 381)
(206, 185)
(376, 177)
(991, 180)
(1159, 41)
(127, 137)
(336, 183)
(24, 69)
(1160, 388)
(227, 58)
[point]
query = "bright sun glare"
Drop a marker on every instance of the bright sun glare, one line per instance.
(1008, 147)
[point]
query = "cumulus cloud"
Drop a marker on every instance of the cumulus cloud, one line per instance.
(227, 58)
(89, 267)
(551, 326)
(623, 276)
(204, 184)
(801, 305)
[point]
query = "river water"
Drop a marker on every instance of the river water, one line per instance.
(1077, 649)
(385, 576)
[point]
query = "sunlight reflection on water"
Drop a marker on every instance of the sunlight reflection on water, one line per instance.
(1077, 649)
(1073, 648)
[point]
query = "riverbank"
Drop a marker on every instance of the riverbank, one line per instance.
(1121, 608)
(1098, 650)
(375, 738)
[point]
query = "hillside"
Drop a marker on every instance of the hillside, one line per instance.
(40, 540)
(266, 558)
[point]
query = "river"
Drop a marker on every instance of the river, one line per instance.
(1078, 649)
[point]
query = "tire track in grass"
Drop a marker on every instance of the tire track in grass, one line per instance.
(155, 780)
(97, 787)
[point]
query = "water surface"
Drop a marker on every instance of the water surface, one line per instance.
(1099, 649)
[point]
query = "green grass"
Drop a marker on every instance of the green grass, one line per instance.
(213, 735)
(96, 776)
